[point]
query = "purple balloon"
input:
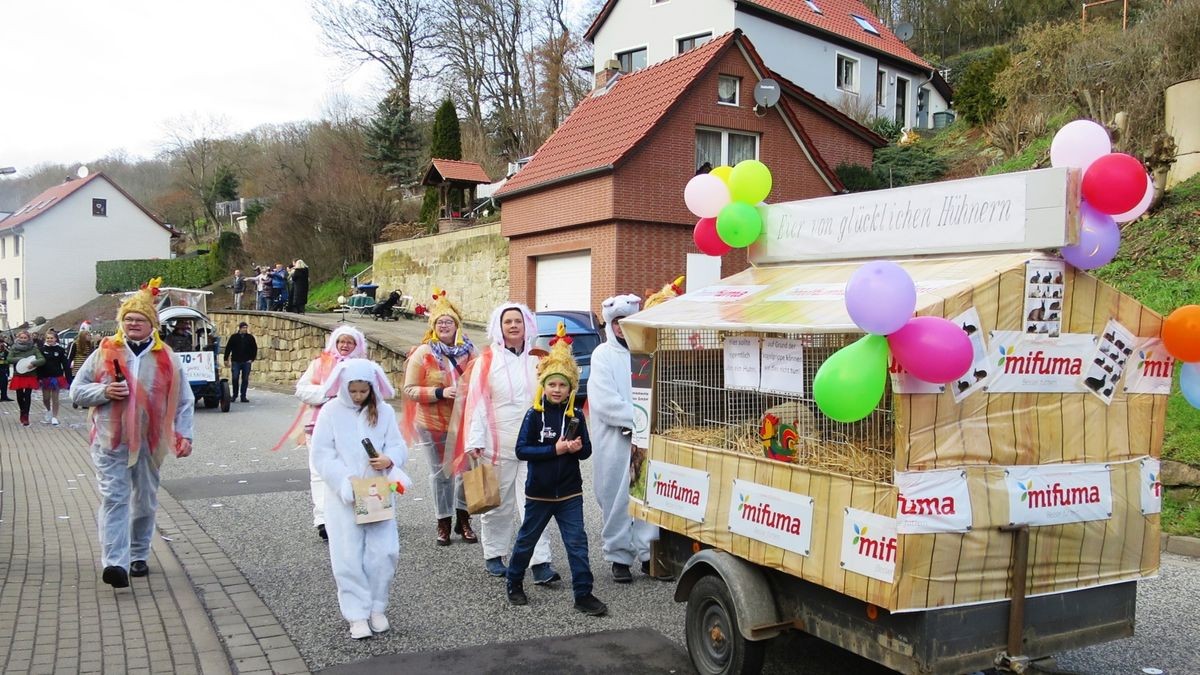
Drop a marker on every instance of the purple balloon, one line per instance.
(881, 297)
(1099, 239)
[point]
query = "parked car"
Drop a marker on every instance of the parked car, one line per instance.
(585, 332)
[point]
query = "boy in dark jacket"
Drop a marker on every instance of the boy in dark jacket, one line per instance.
(553, 440)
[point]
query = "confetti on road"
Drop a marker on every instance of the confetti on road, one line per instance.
(243, 481)
(216, 506)
(64, 517)
(166, 538)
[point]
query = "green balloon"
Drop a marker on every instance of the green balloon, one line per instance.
(750, 182)
(849, 385)
(739, 224)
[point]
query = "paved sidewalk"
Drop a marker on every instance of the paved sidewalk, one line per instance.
(194, 613)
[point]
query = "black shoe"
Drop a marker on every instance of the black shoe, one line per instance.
(661, 577)
(115, 576)
(245, 400)
(138, 568)
(322, 533)
(621, 573)
(516, 595)
(589, 605)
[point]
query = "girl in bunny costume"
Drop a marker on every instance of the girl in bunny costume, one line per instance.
(363, 556)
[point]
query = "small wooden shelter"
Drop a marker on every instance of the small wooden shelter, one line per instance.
(448, 176)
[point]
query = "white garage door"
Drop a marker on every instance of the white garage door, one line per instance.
(564, 281)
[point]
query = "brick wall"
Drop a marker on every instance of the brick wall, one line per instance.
(471, 264)
(581, 202)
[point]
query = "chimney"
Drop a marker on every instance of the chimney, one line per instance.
(612, 68)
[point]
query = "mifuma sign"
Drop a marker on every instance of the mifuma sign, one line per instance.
(678, 490)
(932, 501)
(772, 516)
(869, 544)
(1059, 494)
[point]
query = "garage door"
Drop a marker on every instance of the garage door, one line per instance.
(564, 281)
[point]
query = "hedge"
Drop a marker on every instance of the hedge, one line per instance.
(115, 276)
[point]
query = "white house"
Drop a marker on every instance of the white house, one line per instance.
(49, 247)
(835, 49)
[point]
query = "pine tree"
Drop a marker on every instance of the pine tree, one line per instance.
(392, 140)
(447, 137)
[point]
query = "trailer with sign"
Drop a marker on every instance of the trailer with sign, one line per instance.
(994, 520)
(201, 361)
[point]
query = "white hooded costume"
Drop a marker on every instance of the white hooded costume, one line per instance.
(363, 556)
(311, 390)
(497, 401)
(610, 405)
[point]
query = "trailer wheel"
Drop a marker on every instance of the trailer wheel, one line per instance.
(714, 643)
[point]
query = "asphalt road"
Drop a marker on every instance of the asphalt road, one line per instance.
(255, 504)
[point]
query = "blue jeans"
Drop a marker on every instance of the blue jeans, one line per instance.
(128, 500)
(262, 301)
(569, 514)
(241, 374)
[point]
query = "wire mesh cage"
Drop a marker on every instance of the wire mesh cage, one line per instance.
(693, 405)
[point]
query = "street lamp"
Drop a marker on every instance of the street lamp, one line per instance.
(5, 170)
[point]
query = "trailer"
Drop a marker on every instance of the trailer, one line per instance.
(984, 523)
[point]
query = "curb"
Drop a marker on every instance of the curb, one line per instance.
(1181, 545)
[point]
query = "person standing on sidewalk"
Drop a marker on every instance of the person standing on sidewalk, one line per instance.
(4, 369)
(81, 347)
(141, 409)
(25, 358)
(299, 297)
(240, 351)
(53, 375)
(239, 288)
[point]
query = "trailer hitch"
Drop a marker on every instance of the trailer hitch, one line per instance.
(1011, 659)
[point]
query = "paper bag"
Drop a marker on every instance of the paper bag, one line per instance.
(481, 488)
(372, 500)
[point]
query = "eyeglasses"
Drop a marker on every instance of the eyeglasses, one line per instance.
(445, 322)
(130, 319)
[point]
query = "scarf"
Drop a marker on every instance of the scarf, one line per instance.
(441, 350)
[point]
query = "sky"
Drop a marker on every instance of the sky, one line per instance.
(81, 79)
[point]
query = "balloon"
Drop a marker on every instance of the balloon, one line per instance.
(849, 385)
(739, 224)
(722, 172)
(1115, 183)
(881, 297)
(1078, 144)
(705, 195)
(1099, 239)
(933, 349)
(707, 240)
(750, 181)
(1142, 206)
(1189, 383)
(1181, 333)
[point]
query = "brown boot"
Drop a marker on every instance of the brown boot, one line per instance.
(443, 535)
(462, 526)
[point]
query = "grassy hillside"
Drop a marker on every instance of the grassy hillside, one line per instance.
(323, 296)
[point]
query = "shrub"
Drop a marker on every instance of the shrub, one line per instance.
(225, 255)
(116, 276)
(976, 99)
(857, 178)
(896, 166)
(888, 128)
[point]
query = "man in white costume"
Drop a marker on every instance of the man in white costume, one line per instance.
(610, 403)
(500, 391)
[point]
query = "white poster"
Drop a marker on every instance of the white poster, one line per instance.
(1107, 361)
(811, 293)
(782, 367)
(981, 366)
(197, 366)
(1029, 363)
(641, 416)
(1152, 487)
(904, 382)
(1151, 370)
(772, 516)
(678, 490)
(869, 544)
(1058, 494)
(932, 501)
(720, 293)
(741, 362)
(1044, 296)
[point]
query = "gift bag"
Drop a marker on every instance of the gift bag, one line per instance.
(481, 488)
(372, 500)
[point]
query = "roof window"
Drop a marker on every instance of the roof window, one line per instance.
(813, 6)
(864, 24)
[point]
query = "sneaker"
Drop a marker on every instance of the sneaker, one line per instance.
(360, 630)
(115, 576)
(46, 418)
(658, 577)
(53, 421)
(544, 574)
(621, 573)
(516, 595)
(378, 623)
(495, 567)
(589, 605)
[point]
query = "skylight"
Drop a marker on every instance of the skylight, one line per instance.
(813, 6)
(864, 24)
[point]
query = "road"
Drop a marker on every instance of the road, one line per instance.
(256, 505)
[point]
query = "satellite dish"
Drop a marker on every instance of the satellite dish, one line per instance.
(766, 93)
(905, 31)
(82, 171)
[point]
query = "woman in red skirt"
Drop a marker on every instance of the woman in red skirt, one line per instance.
(53, 375)
(25, 359)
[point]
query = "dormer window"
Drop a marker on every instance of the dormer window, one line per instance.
(864, 24)
(728, 90)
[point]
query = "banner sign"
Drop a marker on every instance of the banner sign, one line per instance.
(1058, 494)
(1028, 363)
(741, 362)
(772, 516)
(1151, 369)
(721, 293)
(197, 366)
(678, 490)
(869, 544)
(932, 501)
(1152, 487)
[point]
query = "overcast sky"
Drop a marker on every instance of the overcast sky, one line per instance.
(82, 78)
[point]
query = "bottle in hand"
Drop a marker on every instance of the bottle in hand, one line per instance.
(118, 374)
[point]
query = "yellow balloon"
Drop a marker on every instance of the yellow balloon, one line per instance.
(723, 172)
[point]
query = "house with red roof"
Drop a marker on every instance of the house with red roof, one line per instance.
(599, 208)
(49, 247)
(835, 49)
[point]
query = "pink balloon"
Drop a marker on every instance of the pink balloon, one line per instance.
(1078, 144)
(707, 240)
(932, 349)
(1115, 183)
(705, 195)
(1143, 206)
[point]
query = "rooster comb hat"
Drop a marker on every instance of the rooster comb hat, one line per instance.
(559, 363)
(144, 302)
(442, 306)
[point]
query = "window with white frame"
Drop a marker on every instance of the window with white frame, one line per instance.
(880, 87)
(847, 74)
(729, 90)
(689, 43)
(717, 147)
(632, 60)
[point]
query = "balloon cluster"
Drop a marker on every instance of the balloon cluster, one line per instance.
(725, 199)
(881, 298)
(1181, 337)
(1116, 189)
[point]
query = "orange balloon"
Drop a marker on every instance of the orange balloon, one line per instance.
(1181, 333)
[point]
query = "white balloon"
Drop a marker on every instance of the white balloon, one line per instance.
(1078, 144)
(1142, 206)
(705, 195)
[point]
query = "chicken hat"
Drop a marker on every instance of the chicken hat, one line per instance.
(558, 363)
(144, 302)
(671, 290)
(443, 307)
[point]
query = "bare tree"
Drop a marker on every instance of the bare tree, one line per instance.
(197, 146)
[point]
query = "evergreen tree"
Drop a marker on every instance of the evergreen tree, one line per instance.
(447, 137)
(392, 141)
